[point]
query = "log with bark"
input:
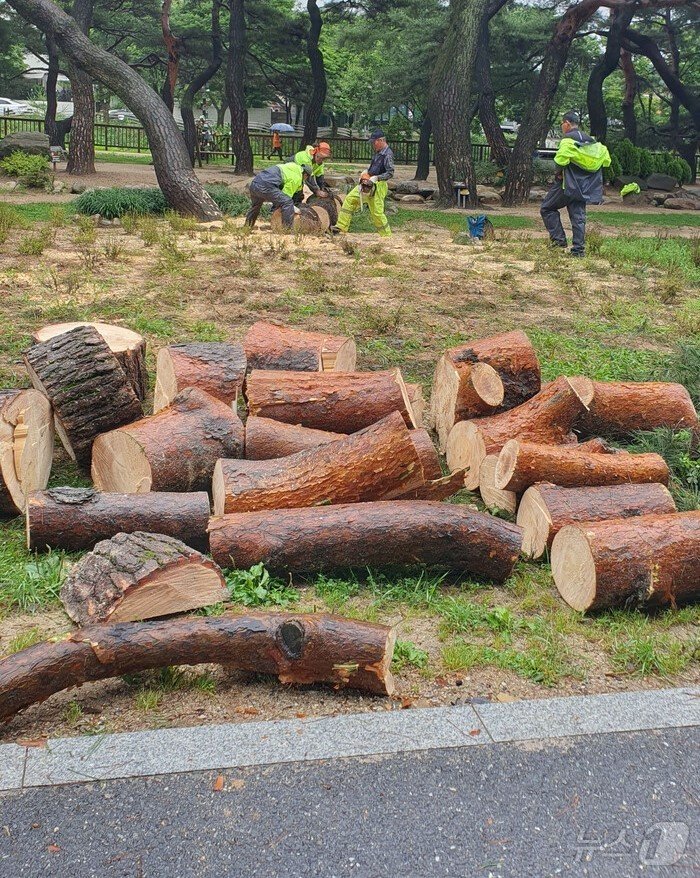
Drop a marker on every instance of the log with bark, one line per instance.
(547, 417)
(462, 390)
(77, 518)
(175, 450)
(127, 346)
(378, 462)
(649, 561)
(402, 532)
(140, 576)
(270, 346)
(266, 438)
(329, 205)
(417, 400)
(436, 489)
(26, 447)
(297, 648)
(618, 408)
(342, 402)
(427, 453)
(217, 367)
(521, 464)
(87, 387)
(545, 508)
(493, 497)
(306, 222)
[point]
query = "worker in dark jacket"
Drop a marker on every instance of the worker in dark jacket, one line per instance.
(372, 188)
(278, 184)
(578, 182)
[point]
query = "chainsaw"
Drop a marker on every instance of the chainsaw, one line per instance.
(367, 189)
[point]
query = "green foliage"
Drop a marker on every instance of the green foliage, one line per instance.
(24, 641)
(34, 245)
(29, 582)
(117, 201)
(676, 448)
(399, 128)
(228, 202)
(680, 169)
(628, 156)
(612, 172)
(407, 653)
(543, 171)
(646, 163)
(488, 173)
(9, 219)
(256, 588)
(31, 170)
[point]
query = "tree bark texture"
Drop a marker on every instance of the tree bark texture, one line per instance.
(423, 163)
(598, 118)
(26, 447)
(266, 439)
(629, 118)
(174, 450)
(74, 519)
(86, 385)
(216, 367)
(235, 88)
(488, 115)
(462, 390)
(81, 154)
(618, 408)
(172, 50)
(301, 649)
(200, 80)
(314, 107)
(271, 346)
(57, 129)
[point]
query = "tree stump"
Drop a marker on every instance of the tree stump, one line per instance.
(127, 346)
(270, 346)
(26, 447)
(462, 390)
(175, 450)
(618, 408)
(87, 387)
(216, 367)
(493, 497)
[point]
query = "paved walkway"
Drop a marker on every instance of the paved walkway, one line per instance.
(601, 786)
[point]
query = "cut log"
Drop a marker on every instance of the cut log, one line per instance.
(596, 445)
(462, 390)
(548, 417)
(417, 400)
(342, 402)
(324, 217)
(269, 346)
(175, 450)
(493, 497)
(521, 464)
(140, 576)
(372, 464)
(329, 205)
(26, 447)
(301, 649)
(217, 367)
(77, 518)
(545, 509)
(306, 222)
(428, 454)
(127, 346)
(86, 385)
(266, 439)
(436, 489)
(649, 561)
(617, 408)
(402, 532)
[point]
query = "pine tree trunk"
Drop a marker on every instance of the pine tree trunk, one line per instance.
(81, 154)
(54, 128)
(172, 49)
(629, 118)
(199, 81)
(423, 164)
(500, 151)
(608, 63)
(235, 89)
(318, 74)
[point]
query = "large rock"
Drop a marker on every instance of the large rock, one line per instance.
(407, 187)
(624, 179)
(488, 195)
(536, 194)
(32, 142)
(412, 199)
(662, 181)
(685, 203)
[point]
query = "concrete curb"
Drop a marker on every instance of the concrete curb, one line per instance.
(170, 751)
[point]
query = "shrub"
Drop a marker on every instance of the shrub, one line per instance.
(680, 169)
(488, 173)
(230, 203)
(543, 171)
(399, 128)
(628, 156)
(614, 171)
(117, 201)
(9, 219)
(30, 170)
(646, 163)
(661, 160)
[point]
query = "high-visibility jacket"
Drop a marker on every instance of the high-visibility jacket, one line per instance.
(292, 178)
(582, 160)
(304, 157)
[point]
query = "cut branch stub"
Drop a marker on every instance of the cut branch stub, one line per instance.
(545, 509)
(266, 438)
(217, 367)
(127, 346)
(619, 408)
(270, 346)
(86, 385)
(26, 447)
(342, 402)
(140, 576)
(653, 560)
(493, 497)
(175, 450)
(297, 648)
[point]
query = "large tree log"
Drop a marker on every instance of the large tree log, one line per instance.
(436, 489)
(378, 462)
(175, 450)
(312, 648)
(521, 464)
(547, 417)
(77, 518)
(127, 346)
(342, 402)
(269, 346)
(428, 454)
(217, 367)
(26, 447)
(653, 560)
(493, 497)
(266, 438)
(140, 576)
(462, 390)
(86, 385)
(402, 532)
(545, 509)
(617, 408)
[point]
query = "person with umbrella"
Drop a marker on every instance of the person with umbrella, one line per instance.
(372, 188)
(277, 129)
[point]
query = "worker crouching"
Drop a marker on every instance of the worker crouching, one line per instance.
(279, 184)
(372, 188)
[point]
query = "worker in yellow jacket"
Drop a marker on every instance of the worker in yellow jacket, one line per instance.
(278, 184)
(372, 188)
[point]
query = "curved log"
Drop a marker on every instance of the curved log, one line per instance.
(266, 438)
(26, 447)
(270, 346)
(427, 453)
(545, 509)
(77, 518)
(493, 497)
(618, 408)
(368, 534)
(216, 367)
(653, 560)
(297, 648)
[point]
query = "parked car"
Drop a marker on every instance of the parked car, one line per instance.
(8, 107)
(122, 115)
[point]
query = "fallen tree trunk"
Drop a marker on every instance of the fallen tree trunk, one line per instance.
(545, 509)
(547, 417)
(127, 346)
(493, 497)
(596, 445)
(266, 438)
(617, 408)
(375, 463)
(26, 447)
(216, 367)
(175, 450)
(87, 387)
(140, 576)
(312, 648)
(269, 346)
(427, 453)
(436, 489)
(462, 390)
(368, 534)
(342, 402)
(649, 561)
(521, 464)
(77, 518)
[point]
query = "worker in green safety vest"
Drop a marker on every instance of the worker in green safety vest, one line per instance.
(278, 184)
(314, 156)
